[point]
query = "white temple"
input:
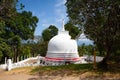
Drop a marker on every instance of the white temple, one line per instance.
(61, 48)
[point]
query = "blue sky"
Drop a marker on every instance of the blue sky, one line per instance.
(49, 12)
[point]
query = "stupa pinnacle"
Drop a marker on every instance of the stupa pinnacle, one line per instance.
(63, 28)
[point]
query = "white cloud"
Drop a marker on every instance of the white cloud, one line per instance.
(60, 3)
(60, 10)
(45, 25)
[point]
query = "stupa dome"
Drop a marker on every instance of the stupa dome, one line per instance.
(62, 47)
(62, 43)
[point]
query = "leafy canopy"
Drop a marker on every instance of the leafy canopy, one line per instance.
(48, 33)
(15, 25)
(101, 21)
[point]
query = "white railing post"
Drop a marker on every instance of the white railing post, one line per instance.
(9, 64)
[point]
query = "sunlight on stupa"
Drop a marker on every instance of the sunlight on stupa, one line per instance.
(62, 49)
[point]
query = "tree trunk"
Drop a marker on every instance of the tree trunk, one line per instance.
(104, 63)
(15, 54)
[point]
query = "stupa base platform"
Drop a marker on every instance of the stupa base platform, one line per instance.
(61, 61)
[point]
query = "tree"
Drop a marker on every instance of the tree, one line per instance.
(5, 51)
(73, 30)
(100, 19)
(48, 33)
(43, 48)
(85, 49)
(22, 24)
(15, 25)
(15, 43)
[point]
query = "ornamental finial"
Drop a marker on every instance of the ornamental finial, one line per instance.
(63, 28)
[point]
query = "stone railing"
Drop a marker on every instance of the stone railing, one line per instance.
(40, 61)
(9, 65)
(3, 66)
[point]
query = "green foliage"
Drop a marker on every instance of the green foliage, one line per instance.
(1, 55)
(2, 25)
(43, 48)
(85, 50)
(100, 20)
(22, 24)
(15, 26)
(34, 48)
(27, 24)
(26, 51)
(5, 51)
(73, 30)
(74, 67)
(39, 48)
(48, 33)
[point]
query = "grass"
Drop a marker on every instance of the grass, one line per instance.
(71, 67)
(84, 71)
(113, 68)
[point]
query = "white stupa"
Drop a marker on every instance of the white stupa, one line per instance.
(62, 48)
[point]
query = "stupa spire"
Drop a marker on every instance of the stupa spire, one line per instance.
(83, 30)
(63, 28)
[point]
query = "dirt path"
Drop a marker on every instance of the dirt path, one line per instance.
(17, 74)
(24, 74)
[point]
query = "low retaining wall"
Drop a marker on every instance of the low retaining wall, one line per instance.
(3, 66)
(22, 63)
(40, 61)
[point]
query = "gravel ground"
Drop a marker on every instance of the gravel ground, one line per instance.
(24, 74)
